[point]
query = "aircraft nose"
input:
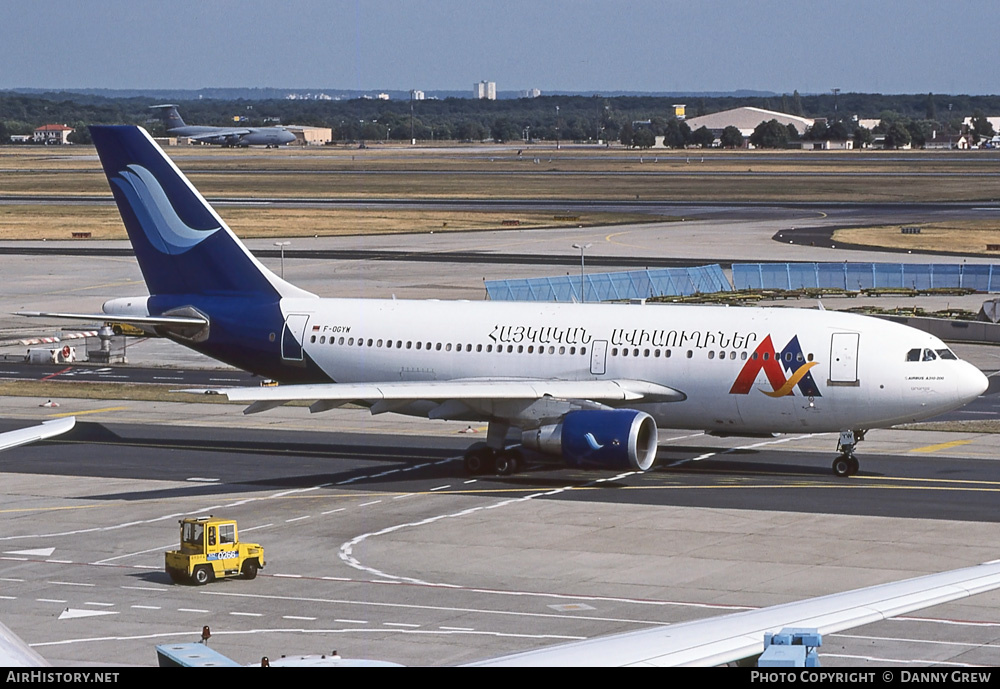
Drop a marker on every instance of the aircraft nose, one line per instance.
(972, 383)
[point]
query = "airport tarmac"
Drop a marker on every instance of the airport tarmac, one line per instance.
(378, 547)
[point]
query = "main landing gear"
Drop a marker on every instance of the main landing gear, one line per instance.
(847, 464)
(493, 456)
(482, 459)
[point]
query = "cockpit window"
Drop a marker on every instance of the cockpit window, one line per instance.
(913, 355)
(929, 355)
(946, 354)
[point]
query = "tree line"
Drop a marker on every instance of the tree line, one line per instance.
(629, 119)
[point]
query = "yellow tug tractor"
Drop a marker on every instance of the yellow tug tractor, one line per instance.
(210, 549)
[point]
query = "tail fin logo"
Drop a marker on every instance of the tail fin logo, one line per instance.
(159, 221)
(775, 365)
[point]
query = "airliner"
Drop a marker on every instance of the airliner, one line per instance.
(222, 136)
(586, 383)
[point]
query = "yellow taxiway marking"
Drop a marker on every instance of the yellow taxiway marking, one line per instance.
(92, 411)
(941, 446)
(52, 509)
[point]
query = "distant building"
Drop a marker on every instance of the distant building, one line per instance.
(311, 136)
(52, 134)
(680, 110)
(416, 94)
(382, 96)
(485, 90)
(995, 121)
(826, 145)
(529, 93)
(941, 141)
(746, 120)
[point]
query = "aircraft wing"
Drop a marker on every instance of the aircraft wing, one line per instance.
(47, 429)
(14, 652)
(730, 638)
(220, 132)
(330, 395)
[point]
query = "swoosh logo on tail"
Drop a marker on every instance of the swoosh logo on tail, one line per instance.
(159, 221)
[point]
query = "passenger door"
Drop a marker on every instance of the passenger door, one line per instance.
(844, 359)
(293, 337)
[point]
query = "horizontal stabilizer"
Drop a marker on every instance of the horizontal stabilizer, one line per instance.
(137, 320)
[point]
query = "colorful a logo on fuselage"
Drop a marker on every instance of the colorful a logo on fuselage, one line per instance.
(775, 365)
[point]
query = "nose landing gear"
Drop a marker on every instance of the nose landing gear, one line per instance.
(846, 464)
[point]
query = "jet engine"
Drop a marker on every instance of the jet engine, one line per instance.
(599, 439)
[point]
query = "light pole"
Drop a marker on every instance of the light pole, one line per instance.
(582, 248)
(282, 246)
(557, 132)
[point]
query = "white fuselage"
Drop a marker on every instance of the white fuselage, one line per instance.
(848, 371)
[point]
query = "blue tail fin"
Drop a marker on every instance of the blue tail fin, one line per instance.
(182, 245)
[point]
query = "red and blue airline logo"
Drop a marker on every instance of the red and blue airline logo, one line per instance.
(776, 365)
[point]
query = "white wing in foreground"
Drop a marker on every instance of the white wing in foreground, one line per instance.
(15, 653)
(729, 638)
(47, 429)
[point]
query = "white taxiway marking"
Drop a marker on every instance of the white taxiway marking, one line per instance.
(37, 552)
(73, 613)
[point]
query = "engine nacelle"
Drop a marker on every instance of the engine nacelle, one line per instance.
(601, 439)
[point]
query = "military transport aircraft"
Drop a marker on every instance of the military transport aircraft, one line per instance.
(222, 136)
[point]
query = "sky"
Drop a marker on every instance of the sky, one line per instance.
(874, 46)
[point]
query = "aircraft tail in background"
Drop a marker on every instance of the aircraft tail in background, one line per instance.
(169, 115)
